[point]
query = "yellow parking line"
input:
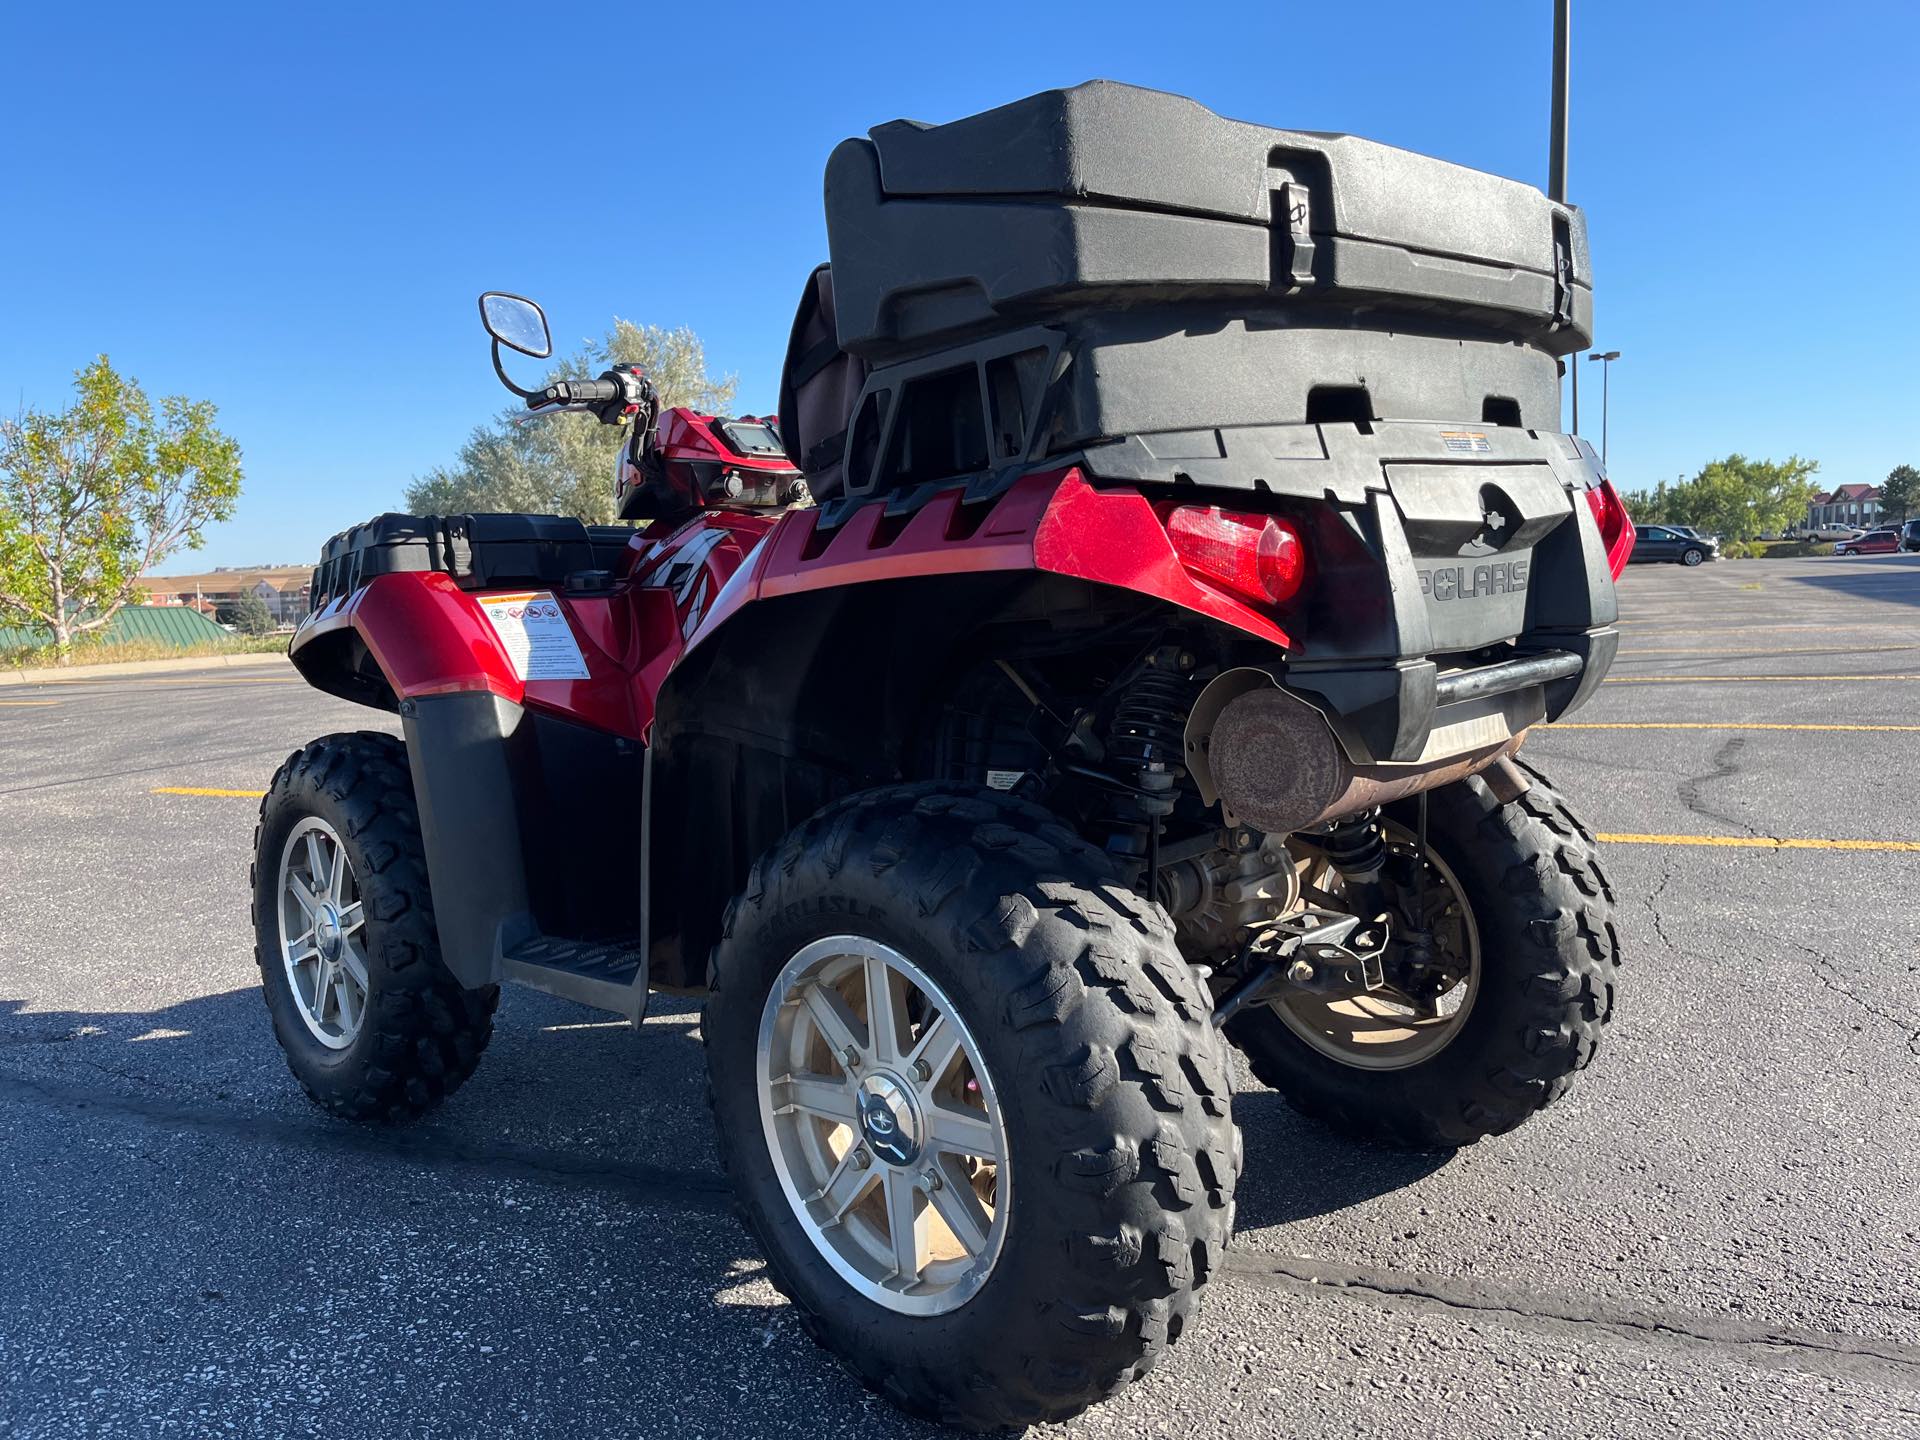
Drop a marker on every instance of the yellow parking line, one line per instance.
(24, 703)
(177, 680)
(1629, 653)
(197, 790)
(1706, 725)
(1742, 679)
(1705, 628)
(1761, 842)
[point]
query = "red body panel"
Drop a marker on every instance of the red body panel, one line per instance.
(1053, 522)
(431, 637)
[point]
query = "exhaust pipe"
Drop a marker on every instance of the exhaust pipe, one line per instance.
(1273, 761)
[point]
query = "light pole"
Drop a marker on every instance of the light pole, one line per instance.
(1606, 359)
(1557, 127)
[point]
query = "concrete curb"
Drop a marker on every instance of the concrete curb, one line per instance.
(54, 675)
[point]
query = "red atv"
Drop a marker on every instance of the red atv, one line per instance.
(1118, 649)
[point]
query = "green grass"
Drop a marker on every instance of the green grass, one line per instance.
(34, 657)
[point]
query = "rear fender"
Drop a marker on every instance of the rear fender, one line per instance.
(1054, 522)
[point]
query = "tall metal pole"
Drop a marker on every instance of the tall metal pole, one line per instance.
(1606, 359)
(1606, 398)
(1557, 140)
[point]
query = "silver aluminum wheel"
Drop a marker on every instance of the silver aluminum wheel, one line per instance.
(323, 933)
(883, 1125)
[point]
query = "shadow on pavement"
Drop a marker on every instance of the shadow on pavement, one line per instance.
(1297, 1169)
(1894, 578)
(210, 1063)
(498, 1218)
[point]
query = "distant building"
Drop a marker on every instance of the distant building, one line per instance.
(1856, 505)
(282, 588)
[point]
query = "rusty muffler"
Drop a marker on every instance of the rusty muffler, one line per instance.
(1276, 765)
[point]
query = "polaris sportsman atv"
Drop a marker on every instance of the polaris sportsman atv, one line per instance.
(1119, 648)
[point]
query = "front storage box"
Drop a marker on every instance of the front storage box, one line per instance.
(480, 551)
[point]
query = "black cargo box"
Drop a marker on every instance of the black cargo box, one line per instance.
(1123, 277)
(1108, 193)
(480, 552)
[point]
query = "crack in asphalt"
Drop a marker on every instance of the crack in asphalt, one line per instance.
(1833, 1353)
(1723, 768)
(1825, 1352)
(1828, 974)
(1652, 900)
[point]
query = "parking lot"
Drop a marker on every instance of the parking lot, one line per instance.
(1717, 1233)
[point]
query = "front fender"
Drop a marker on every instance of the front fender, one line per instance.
(417, 632)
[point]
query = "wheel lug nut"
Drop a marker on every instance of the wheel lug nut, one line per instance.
(861, 1158)
(851, 1057)
(922, 1071)
(930, 1180)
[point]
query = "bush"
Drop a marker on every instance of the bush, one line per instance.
(1742, 550)
(1795, 549)
(248, 614)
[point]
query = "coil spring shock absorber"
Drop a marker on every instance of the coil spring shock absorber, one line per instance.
(1147, 741)
(1356, 848)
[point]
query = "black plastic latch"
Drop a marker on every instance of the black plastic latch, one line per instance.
(458, 560)
(1562, 273)
(1292, 237)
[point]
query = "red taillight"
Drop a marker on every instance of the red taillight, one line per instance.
(1616, 529)
(1256, 557)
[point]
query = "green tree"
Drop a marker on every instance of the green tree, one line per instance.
(94, 496)
(564, 465)
(1736, 497)
(1650, 507)
(248, 614)
(1900, 495)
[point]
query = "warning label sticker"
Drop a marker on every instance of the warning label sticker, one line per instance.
(1466, 442)
(533, 629)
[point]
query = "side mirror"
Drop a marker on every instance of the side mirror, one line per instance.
(517, 323)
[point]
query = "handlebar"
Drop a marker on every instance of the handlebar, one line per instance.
(575, 392)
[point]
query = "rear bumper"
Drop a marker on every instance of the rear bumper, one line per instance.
(1460, 588)
(1417, 711)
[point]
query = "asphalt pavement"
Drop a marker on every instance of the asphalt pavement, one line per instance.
(1716, 1233)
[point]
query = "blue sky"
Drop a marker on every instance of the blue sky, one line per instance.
(289, 209)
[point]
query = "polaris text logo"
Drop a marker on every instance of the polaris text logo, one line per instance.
(1462, 582)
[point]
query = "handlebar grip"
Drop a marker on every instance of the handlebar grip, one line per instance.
(575, 392)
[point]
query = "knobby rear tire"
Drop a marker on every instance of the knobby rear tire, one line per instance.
(1550, 960)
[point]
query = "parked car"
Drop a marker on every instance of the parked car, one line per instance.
(1672, 542)
(1910, 535)
(1874, 542)
(1838, 532)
